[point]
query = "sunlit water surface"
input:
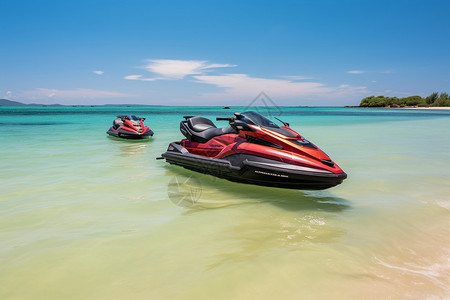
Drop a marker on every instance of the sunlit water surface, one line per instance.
(85, 216)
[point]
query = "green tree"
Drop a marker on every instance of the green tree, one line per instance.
(412, 100)
(442, 100)
(444, 96)
(430, 99)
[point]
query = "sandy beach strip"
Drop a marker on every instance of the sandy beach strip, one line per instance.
(439, 108)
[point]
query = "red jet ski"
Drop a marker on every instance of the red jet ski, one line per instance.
(253, 150)
(129, 127)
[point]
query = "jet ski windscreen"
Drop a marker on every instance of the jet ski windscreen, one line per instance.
(133, 118)
(252, 117)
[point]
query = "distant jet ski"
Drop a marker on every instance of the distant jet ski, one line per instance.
(129, 127)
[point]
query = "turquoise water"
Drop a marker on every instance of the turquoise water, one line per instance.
(85, 216)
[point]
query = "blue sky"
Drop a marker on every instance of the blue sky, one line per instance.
(222, 52)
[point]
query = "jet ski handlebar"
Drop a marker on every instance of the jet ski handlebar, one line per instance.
(230, 119)
(236, 123)
(123, 118)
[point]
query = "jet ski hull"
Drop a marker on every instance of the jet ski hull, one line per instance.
(126, 134)
(254, 170)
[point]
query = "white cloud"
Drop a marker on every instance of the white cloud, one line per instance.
(238, 87)
(296, 77)
(370, 71)
(98, 72)
(172, 69)
(139, 77)
(356, 72)
(9, 95)
(43, 93)
(242, 86)
(178, 69)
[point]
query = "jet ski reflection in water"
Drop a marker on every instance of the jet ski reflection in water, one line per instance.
(253, 150)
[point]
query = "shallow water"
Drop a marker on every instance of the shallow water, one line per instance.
(85, 216)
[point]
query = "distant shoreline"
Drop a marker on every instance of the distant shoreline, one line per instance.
(10, 103)
(402, 107)
(433, 100)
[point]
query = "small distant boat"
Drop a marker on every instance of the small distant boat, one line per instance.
(226, 107)
(129, 127)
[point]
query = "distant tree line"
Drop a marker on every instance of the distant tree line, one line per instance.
(434, 99)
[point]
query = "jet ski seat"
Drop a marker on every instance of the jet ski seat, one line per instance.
(203, 129)
(117, 123)
(200, 124)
